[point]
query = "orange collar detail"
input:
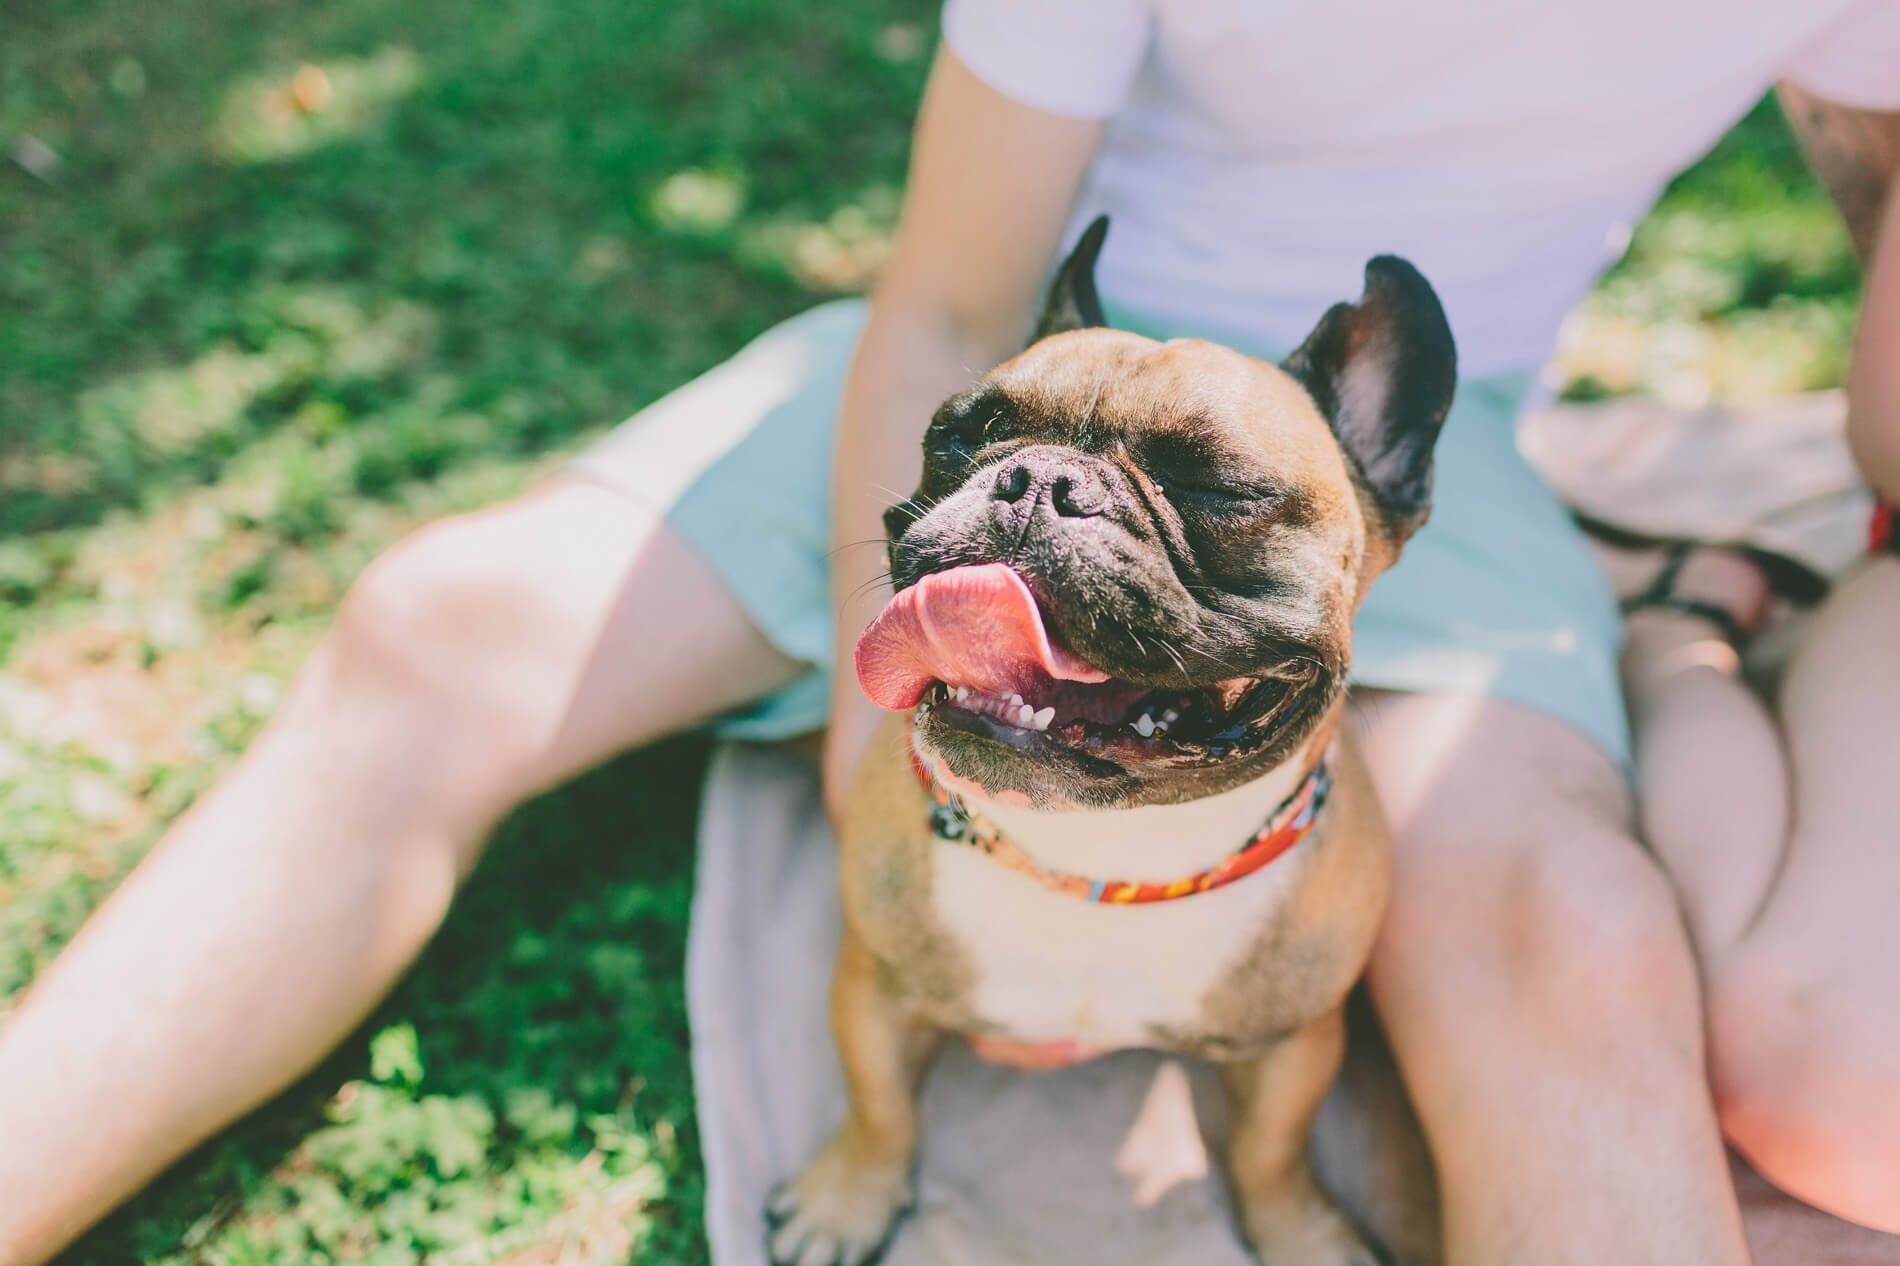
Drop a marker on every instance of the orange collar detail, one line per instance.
(952, 820)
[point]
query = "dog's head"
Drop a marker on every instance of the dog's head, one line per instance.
(1129, 573)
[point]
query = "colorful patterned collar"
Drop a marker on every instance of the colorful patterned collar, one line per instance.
(952, 820)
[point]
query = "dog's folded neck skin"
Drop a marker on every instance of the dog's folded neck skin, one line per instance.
(1153, 843)
(1128, 575)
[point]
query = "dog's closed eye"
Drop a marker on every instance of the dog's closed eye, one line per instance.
(971, 420)
(1196, 474)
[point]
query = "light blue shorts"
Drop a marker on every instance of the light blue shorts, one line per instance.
(1497, 595)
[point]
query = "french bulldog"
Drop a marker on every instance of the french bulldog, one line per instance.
(1114, 805)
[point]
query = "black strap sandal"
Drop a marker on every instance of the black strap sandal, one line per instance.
(1787, 578)
(1660, 595)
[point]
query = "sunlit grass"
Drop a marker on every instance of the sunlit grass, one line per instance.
(839, 253)
(1740, 285)
(284, 113)
(698, 202)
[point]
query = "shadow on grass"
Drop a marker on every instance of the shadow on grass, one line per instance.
(545, 1026)
(461, 246)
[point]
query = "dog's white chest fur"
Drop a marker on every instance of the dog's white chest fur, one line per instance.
(1051, 967)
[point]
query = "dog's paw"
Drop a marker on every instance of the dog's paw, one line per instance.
(838, 1211)
(1309, 1232)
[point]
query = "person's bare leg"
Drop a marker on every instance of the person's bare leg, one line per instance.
(1540, 995)
(1711, 774)
(1805, 1013)
(485, 659)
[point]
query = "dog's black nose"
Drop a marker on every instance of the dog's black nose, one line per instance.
(1070, 484)
(1012, 481)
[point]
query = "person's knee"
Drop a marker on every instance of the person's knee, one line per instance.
(403, 618)
(412, 655)
(1518, 886)
(1558, 916)
(1590, 910)
(1803, 1068)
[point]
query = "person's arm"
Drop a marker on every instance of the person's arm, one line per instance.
(1856, 153)
(991, 186)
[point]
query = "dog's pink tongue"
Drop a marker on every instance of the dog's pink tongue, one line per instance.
(969, 626)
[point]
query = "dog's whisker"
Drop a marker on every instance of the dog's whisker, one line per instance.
(841, 548)
(907, 502)
(1176, 657)
(880, 542)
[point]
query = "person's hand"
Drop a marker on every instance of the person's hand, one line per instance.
(854, 719)
(954, 298)
(1873, 383)
(1856, 153)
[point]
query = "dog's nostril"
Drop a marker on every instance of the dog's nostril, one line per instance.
(1069, 489)
(1076, 498)
(1011, 483)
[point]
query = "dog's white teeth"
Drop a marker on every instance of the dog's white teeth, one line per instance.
(1145, 726)
(1014, 710)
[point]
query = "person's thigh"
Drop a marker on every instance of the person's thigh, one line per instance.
(1805, 1015)
(673, 574)
(740, 461)
(552, 632)
(1538, 990)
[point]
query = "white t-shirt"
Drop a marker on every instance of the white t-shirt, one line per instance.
(1259, 151)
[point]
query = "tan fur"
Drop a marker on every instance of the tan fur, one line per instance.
(1274, 1098)
(1185, 381)
(885, 870)
(1369, 1149)
(1305, 960)
(856, 1185)
(1273, 1016)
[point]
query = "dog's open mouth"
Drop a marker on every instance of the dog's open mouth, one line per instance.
(969, 644)
(1132, 720)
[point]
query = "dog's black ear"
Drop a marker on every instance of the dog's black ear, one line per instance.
(1382, 371)
(1072, 303)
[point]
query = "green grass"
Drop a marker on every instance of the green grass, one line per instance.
(243, 347)
(256, 324)
(1741, 283)
(526, 1086)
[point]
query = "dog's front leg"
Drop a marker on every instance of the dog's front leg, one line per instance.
(1272, 1099)
(838, 1210)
